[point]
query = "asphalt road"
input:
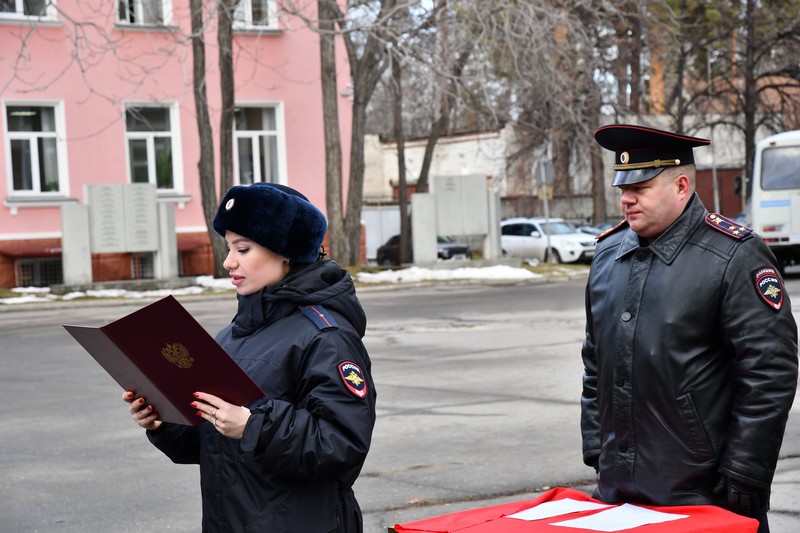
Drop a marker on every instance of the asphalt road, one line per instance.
(478, 403)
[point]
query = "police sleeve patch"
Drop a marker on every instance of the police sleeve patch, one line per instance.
(353, 378)
(769, 286)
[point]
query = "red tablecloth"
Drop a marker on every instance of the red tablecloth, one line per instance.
(701, 519)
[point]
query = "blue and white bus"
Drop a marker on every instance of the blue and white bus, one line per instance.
(775, 196)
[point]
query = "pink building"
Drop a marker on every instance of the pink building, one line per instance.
(99, 92)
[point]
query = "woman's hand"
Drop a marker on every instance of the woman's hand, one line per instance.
(229, 419)
(141, 411)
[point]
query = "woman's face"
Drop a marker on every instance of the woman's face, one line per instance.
(251, 266)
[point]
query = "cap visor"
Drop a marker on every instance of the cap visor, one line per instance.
(631, 177)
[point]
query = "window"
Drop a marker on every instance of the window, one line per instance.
(27, 8)
(150, 146)
(142, 266)
(34, 148)
(256, 145)
(38, 272)
(257, 14)
(517, 230)
(144, 12)
(779, 168)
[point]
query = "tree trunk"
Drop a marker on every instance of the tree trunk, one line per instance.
(337, 239)
(658, 51)
(750, 96)
(399, 137)
(442, 123)
(227, 91)
(205, 166)
(366, 70)
(635, 40)
(355, 188)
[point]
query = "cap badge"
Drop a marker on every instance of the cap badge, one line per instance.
(353, 378)
(624, 157)
(229, 204)
(768, 285)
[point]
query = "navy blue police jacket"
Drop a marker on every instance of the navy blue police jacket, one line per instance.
(306, 440)
(690, 361)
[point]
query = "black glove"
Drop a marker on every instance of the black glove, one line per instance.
(746, 500)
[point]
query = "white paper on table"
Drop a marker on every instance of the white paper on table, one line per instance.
(625, 516)
(556, 508)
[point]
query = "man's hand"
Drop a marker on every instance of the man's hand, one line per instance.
(746, 500)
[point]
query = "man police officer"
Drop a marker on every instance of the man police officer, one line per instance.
(690, 353)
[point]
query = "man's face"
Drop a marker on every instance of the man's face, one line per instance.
(651, 206)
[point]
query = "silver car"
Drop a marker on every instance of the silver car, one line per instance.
(527, 238)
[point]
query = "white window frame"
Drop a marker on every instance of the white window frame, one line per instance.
(166, 13)
(243, 16)
(59, 135)
(19, 11)
(149, 138)
(254, 136)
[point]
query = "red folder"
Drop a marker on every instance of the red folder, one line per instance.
(162, 353)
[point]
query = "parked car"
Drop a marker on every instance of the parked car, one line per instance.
(447, 249)
(590, 230)
(607, 225)
(527, 238)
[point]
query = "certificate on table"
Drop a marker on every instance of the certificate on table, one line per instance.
(626, 516)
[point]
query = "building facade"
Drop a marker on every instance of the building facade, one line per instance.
(97, 92)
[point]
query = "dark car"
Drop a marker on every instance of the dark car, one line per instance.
(446, 248)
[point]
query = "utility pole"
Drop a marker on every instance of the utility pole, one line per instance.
(714, 182)
(544, 177)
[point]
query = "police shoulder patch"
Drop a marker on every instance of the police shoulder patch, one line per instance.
(728, 226)
(353, 378)
(608, 232)
(769, 286)
(319, 316)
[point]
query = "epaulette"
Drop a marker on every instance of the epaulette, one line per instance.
(319, 316)
(728, 226)
(608, 232)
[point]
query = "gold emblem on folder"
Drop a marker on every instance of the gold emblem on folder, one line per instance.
(177, 354)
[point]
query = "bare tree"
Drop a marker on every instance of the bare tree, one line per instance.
(205, 166)
(399, 136)
(368, 30)
(330, 110)
(227, 91)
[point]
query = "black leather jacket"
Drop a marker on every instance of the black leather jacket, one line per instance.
(690, 367)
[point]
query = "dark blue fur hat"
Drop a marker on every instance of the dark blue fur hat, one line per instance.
(276, 217)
